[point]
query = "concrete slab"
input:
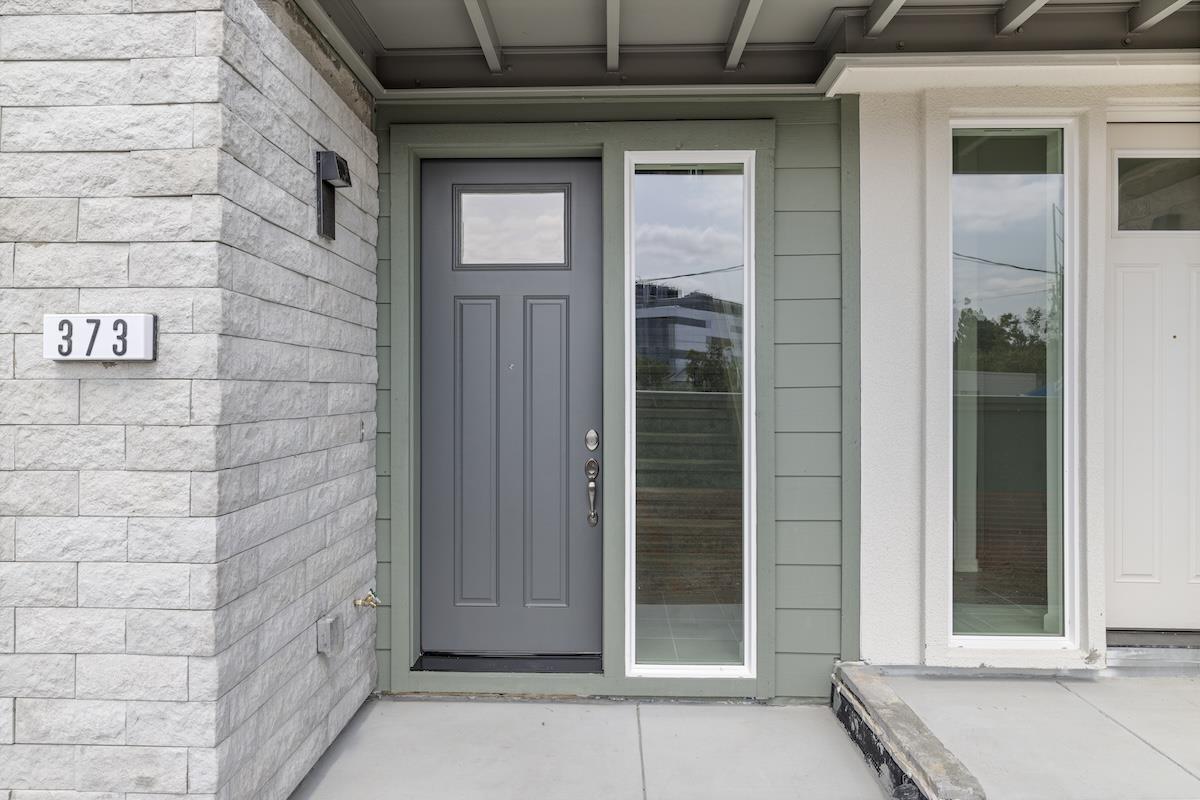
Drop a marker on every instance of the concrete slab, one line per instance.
(489, 750)
(694, 752)
(1035, 739)
(477, 749)
(1163, 712)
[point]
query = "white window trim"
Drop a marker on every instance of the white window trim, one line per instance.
(748, 669)
(1115, 190)
(944, 645)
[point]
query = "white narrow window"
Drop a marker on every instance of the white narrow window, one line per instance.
(1010, 345)
(690, 413)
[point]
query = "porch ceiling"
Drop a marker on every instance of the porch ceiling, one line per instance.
(441, 44)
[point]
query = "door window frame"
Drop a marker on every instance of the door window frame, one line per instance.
(1114, 189)
(748, 668)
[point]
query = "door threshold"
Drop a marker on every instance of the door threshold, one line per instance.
(1143, 638)
(560, 664)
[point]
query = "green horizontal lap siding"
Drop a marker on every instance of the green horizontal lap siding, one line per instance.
(803, 366)
(808, 378)
(808, 321)
(808, 407)
(808, 454)
(816, 277)
(808, 542)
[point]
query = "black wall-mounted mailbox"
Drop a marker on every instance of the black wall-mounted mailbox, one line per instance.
(332, 173)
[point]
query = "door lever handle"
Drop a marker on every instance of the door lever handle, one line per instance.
(591, 468)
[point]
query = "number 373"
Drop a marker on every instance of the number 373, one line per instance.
(67, 329)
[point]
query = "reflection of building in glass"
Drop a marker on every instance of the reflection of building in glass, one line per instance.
(671, 327)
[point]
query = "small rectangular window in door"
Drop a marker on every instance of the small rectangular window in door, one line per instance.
(1158, 193)
(512, 226)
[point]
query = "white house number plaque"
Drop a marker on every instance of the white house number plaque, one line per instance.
(98, 337)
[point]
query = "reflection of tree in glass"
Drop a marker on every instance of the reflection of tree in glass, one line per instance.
(713, 370)
(652, 373)
(1009, 343)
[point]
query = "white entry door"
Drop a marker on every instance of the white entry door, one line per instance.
(1154, 378)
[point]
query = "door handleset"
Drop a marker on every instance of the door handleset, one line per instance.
(591, 468)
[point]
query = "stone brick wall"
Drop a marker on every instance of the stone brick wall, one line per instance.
(171, 532)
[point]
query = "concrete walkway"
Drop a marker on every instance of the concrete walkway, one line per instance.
(468, 749)
(1110, 738)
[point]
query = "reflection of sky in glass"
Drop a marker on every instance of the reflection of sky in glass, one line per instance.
(513, 228)
(690, 426)
(690, 224)
(1008, 240)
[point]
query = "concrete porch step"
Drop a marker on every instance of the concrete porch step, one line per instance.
(897, 744)
(948, 733)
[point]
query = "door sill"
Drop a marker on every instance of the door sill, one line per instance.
(1120, 637)
(563, 664)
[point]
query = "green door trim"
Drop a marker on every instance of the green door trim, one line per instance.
(851, 379)
(608, 140)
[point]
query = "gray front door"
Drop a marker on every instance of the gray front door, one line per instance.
(510, 386)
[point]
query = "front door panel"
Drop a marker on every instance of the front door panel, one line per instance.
(510, 386)
(1154, 448)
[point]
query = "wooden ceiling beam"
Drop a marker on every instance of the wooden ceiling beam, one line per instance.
(1016, 13)
(485, 31)
(879, 15)
(613, 36)
(739, 35)
(1148, 13)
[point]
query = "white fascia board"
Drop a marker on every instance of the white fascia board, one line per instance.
(912, 72)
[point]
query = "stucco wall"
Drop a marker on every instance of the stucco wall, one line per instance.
(170, 532)
(892, 292)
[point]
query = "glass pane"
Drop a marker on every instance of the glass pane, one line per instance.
(1158, 194)
(1007, 198)
(513, 227)
(688, 298)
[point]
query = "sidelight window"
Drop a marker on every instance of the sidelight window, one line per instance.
(1010, 357)
(690, 248)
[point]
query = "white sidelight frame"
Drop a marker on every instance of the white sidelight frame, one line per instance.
(747, 669)
(1072, 376)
